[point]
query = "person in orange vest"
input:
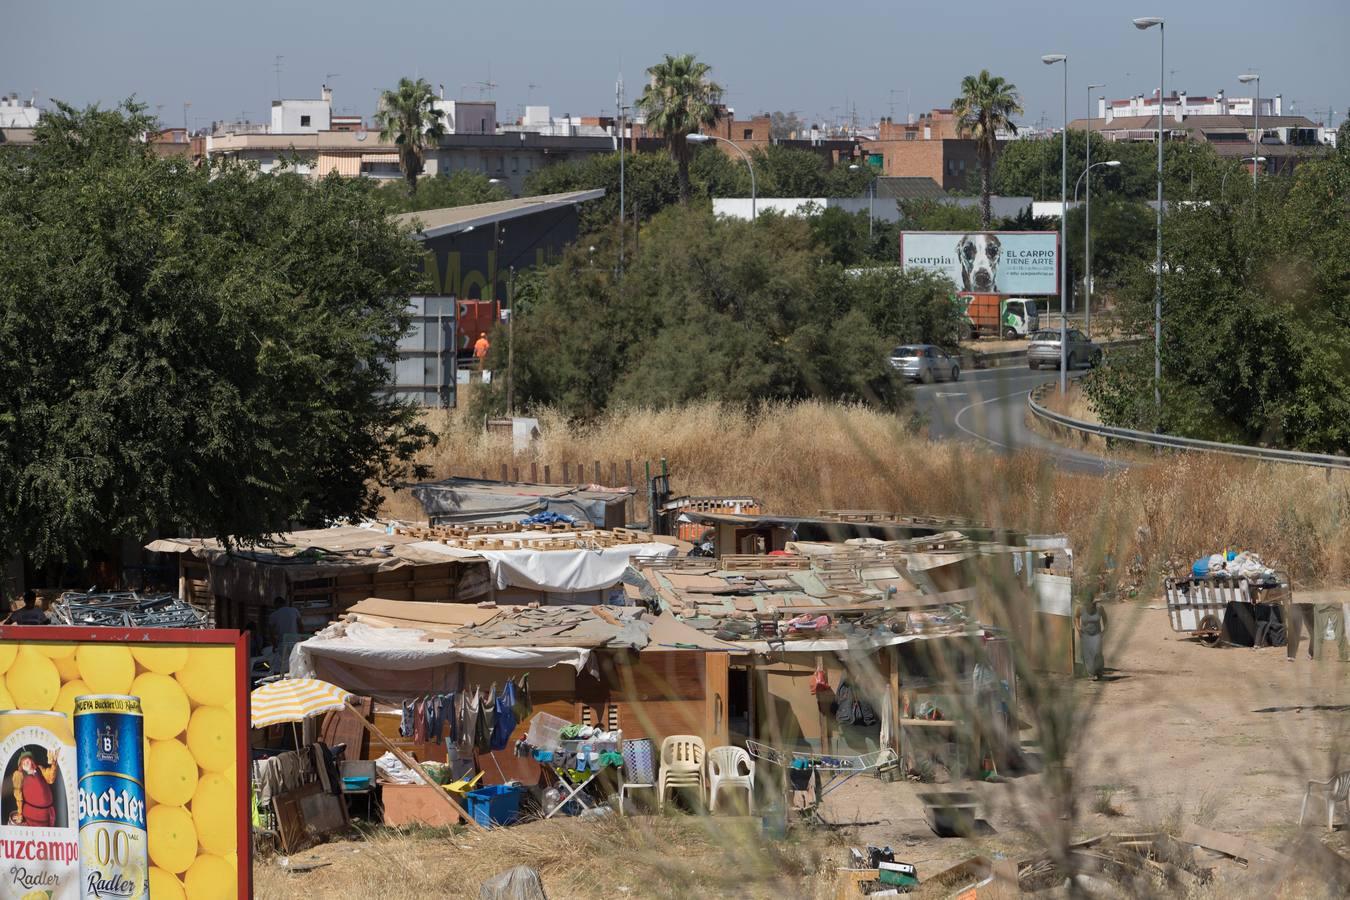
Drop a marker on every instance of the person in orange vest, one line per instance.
(480, 349)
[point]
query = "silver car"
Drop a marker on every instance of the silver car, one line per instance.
(1044, 350)
(924, 362)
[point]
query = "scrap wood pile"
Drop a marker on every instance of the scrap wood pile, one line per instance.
(1143, 863)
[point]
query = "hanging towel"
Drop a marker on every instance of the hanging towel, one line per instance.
(405, 723)
(524, 707)
(420, 721)
(506, 717)
(468, 722)
(487, 720)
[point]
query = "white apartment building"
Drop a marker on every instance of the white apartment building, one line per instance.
(16, 113)
(1178, 105)
(303, 116)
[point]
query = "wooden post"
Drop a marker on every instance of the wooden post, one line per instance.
(416, 767)
(567, 473)
(534, 472)
(597, 471)
(515, 473)
(548, 475)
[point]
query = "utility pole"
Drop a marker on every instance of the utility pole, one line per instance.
(623, 139)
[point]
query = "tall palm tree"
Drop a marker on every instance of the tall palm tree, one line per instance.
(680, 99)
(408, 117)
(985, 107)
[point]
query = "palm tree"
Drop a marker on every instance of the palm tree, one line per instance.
(678, 100)
(408, 117)
(985, 107)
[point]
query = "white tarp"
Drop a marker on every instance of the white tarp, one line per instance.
(367, 659)
(558, 571)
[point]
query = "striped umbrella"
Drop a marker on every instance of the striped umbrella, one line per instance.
(294, 700)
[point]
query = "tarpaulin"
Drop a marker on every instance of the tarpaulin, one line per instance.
(557, 571)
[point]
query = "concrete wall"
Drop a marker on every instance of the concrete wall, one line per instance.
(301, 116)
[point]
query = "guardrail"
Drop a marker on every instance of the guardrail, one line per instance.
(1322, 460)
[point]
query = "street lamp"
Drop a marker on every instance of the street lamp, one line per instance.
(1087, 217)
(1087, 236)
(871, 194)
(1050, 59)
(1223, 182)
(1256, 128)
(1143, 24)
(698, 138)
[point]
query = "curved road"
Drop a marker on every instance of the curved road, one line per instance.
(989, 406)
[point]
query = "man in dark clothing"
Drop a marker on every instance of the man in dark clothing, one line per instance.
(28, 614)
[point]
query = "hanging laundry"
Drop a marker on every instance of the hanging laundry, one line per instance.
(524, 707)
(420, 720)
(505, 718)
(469, 709)
(405, 722)
(487, 720)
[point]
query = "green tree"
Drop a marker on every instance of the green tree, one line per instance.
(194, 349)
(408, 118)
(649, 185)
(1256, 318)
(1122, 233)
(986, 106)
(680, 99)
(937, 215)
(463, 188)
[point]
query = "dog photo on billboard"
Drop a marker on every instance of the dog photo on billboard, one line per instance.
(979, 255)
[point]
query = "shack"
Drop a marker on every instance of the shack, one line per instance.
(323, 572)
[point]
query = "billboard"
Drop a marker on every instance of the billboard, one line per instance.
(123, 763)
(1022, 263)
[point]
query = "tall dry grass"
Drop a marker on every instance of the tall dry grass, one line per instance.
(802, 457)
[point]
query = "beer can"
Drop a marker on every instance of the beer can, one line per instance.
(114, 847)
(39, 856)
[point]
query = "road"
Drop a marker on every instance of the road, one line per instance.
(989, 406)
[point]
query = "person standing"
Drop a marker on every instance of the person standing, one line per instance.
(284, 620)
(29, 613)
(480, 349)
(1090, 623)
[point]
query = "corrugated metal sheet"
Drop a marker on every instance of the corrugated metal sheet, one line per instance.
(345, 164)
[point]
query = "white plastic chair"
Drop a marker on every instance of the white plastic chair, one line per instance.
(731, 767)
(1337, 790)
(681, 765)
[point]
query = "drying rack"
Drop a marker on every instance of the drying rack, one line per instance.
(832, 770)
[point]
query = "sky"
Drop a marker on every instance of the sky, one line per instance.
(819, 60)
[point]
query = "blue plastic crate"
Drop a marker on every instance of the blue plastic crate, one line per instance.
(497, 804)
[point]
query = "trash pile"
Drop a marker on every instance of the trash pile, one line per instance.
(1234, 564)
(126, 609)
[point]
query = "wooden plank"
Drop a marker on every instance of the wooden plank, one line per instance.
(1232, 845)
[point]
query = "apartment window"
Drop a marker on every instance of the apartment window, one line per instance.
(911, 136)
(961, 164)
(748, 134)
(304, 121)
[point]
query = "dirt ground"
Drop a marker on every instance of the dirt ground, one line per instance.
(1179, 733)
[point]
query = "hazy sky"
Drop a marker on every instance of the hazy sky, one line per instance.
(811, 58)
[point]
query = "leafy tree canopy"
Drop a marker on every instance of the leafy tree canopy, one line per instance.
(200, 349)
(1256, 317)
(460, 189)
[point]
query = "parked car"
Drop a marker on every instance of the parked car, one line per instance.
(924, 362)
(1044, 350)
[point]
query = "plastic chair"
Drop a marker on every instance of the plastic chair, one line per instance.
(1337, 790)
(639, 769)
(681, 765)
(731, 767)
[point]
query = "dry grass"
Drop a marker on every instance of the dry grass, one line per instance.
(803, 457)
(679, 856)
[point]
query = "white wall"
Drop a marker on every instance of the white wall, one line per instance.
(468, 116)
(288, 116)
(16, 113)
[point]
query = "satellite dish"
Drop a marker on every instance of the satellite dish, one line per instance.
(361, 134)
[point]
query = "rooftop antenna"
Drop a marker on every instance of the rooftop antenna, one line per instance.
(277, 66)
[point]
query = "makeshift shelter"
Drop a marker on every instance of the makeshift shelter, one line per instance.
(463, 500)
(624, 668)
(324, 571)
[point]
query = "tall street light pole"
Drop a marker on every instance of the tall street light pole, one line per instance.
(1087, 220)
(1087, 233)
(1050, 59)
(1143, 24)
(698, 138)
(871, 195)
(1256, 128)
(1223, 182)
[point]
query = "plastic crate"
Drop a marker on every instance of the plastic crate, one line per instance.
(498, 804)
(545, 731)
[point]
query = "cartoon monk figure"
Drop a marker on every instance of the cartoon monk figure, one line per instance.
(33, 795)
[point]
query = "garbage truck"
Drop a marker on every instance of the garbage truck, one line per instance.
(998, 316)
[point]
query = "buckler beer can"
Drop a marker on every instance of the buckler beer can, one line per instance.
(39, 858)
(114, 847)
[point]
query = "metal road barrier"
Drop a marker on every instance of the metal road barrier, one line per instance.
(1266, 454)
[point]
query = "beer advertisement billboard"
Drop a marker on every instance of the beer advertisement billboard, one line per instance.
(124, 756)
